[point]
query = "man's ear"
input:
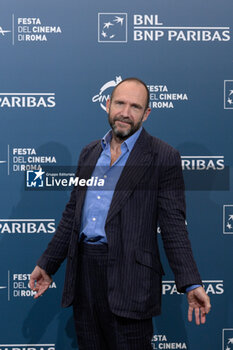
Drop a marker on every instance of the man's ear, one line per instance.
(146, 114)
(108, 105)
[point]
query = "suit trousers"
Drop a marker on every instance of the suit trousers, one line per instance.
(96, 326)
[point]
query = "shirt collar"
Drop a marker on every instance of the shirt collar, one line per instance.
(130, 142)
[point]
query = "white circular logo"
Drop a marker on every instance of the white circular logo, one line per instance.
(105, 92)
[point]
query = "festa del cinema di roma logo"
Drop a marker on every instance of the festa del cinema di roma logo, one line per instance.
(160, 95)
(30, 29)
(22, 159)
(113, 28)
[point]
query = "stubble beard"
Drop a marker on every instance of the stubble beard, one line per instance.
(124, 134)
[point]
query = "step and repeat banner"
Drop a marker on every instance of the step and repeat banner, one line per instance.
(60, 61)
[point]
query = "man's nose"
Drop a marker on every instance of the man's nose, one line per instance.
(126, 110)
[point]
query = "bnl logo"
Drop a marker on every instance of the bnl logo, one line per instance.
(112, 28)
(227, 339)
(228, 94)
(228, 219)
(35, 178)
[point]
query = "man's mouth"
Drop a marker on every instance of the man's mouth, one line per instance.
(124, 122)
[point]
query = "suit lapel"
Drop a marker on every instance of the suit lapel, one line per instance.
(90, 161)
(138, 162)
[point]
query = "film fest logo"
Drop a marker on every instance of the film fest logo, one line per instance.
(16, 286)
(27, 347)
(27, 100)
(227, 339)
(160, 95)
(22, 159)
(160, 341)
(105, 92)
(228, 94)
(212, 287)
(228, 219)
(29, 29)
(113, 28)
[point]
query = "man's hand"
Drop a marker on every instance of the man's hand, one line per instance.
(199, 302)
(39, 281)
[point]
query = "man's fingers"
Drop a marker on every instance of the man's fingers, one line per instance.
(190, 314)
(203, 315)
(200, 315)
(38, 294)
(199, 302)
(32, 283)
(39, 281)
(40, 289)
(197, 316)
(35, 285)
(207, 307)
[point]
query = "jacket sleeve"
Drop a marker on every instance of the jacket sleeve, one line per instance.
(57, 249)
(171, 215)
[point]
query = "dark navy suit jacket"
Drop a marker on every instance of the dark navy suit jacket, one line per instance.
(150, 191)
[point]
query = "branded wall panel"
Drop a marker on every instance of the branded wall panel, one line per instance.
(59, 63)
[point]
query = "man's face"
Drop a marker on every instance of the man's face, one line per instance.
(127, 109)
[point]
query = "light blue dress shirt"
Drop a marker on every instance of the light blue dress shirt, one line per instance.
(97, 201)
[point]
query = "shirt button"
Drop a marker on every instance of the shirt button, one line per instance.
(105, 176)
(98, 197)
(93, 219)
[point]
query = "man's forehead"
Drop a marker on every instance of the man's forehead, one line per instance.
(130, 89)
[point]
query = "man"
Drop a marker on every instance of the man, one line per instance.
(113, 276)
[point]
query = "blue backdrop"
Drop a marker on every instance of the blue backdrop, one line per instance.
(59, 63)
